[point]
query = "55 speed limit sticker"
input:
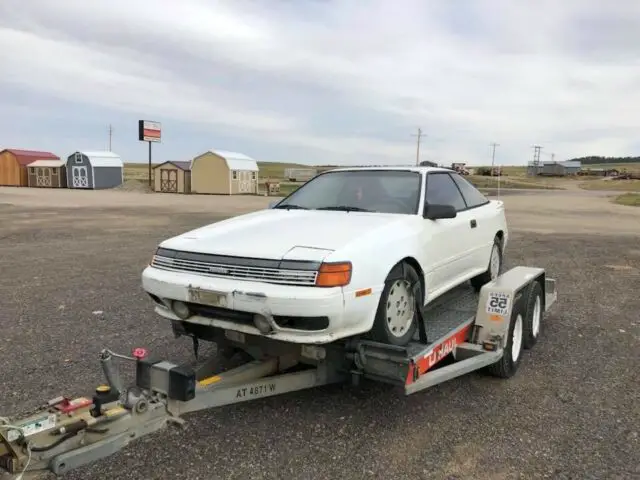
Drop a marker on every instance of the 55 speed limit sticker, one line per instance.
(498, 303)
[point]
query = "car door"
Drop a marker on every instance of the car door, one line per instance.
(446, 242)
(484, 214)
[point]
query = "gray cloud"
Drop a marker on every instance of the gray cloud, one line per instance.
(344, 80)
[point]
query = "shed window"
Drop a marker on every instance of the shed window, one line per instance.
(253, 175)
(54, 171)
(32, 170)
(234, 175)
(78, 158)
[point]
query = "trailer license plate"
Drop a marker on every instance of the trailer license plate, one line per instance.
(208, 297)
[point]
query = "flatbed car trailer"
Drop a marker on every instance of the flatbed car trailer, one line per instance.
(485, 330)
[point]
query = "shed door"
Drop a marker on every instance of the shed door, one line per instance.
(43, 177)
(169, 181)
(80, 178)
(244, 181)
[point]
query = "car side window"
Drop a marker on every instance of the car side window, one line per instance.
(472, 196)
(441, 189)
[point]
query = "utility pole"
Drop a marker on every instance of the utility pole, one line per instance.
(493, 154)
(419, 135)
(536, 159)
(536, 154)
(553, 156)
(110, 135)
(493, 162)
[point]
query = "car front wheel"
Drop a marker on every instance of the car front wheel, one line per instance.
(397, 316)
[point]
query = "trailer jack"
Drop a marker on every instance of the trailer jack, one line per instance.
(65, 433)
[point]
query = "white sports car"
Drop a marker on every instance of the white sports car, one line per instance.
(353, 251)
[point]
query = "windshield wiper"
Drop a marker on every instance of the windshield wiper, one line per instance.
(344, 208)
(291, 207)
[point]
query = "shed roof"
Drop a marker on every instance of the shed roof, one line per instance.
(104, 159)
(47, 163)
(182, 165)
(237, 161)
(25, 157)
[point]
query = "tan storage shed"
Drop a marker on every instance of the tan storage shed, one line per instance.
(172, 177)
(48, 174)
(224, 173)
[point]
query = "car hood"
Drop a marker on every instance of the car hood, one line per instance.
(282, 234)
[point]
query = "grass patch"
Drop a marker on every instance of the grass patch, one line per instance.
(630, 199)
(629, 167)
(612, 185)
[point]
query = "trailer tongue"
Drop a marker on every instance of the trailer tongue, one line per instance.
(485, 330)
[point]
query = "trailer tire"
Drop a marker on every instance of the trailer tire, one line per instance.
(399, 286)
(507, 366)
(533, 316)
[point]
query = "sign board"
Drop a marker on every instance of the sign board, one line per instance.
(149, 131)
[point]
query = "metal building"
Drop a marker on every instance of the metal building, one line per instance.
(561, 169)
(225, 173)
(94, 170)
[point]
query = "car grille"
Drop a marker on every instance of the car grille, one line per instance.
(239, 272)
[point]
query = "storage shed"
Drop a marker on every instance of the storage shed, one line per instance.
(94, 170)
(13, 165)
(225, 173)
(172, 177)
(47, 174)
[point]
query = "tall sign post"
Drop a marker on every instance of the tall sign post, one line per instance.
(149, 131)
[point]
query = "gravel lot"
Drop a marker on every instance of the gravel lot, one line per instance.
(572, 412)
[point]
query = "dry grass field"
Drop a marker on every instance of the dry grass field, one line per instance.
(629, 199)
(67, 254)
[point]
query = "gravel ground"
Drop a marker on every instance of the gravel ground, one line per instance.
(572, 411)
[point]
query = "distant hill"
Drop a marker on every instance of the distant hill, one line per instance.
(605, 160)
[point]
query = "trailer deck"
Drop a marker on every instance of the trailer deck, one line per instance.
(474, 330)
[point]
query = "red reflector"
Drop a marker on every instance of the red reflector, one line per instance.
(139, 353)
(67, 406)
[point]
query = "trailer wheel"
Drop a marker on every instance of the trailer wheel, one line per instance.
(507, 366)
(533, 317)
(397, 316)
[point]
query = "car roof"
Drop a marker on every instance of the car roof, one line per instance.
(407, 168)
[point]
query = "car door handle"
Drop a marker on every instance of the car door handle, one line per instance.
(473, 223)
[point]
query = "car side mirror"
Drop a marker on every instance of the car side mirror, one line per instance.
(437, 211)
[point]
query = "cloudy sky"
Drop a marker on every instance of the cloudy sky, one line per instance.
(323, 81)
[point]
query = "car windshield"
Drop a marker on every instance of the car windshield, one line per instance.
(384, 191)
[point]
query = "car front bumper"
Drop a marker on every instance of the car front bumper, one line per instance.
(334, 313)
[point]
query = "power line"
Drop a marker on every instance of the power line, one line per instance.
(419, 139)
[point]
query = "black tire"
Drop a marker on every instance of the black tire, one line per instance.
(381, 330)
(506, 367)
(534, 308)
(479, 281)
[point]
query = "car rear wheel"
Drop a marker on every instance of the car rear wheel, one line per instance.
(495, 267)
(397, 315)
